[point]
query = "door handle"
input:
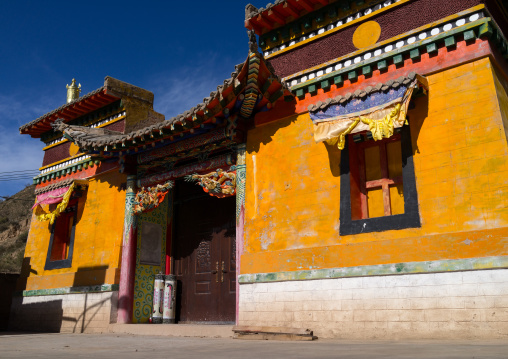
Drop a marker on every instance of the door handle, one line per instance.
(222, 273)
(216, 272)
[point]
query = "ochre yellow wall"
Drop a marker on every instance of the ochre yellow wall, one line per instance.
(461, 167)
(97, 242)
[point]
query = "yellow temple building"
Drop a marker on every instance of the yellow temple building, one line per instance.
(349, 178)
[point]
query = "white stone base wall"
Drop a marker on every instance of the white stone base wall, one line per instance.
(65, 313)
(453, 305)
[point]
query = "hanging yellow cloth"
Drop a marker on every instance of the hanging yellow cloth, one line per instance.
(341, 140)
(383, 128)
(59, 209)
(380, 120)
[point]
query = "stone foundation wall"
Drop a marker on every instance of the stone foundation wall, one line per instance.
(465, 305)
(65, 313)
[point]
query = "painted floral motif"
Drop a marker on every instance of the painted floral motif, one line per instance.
(150, 198)
(219, 183)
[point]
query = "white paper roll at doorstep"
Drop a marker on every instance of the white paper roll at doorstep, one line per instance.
(158, 292)
(169, 299)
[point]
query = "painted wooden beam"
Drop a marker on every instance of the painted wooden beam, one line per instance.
(304, 4)
(276, 17)
(289, 9)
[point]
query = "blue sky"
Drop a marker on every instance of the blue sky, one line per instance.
(179, 50)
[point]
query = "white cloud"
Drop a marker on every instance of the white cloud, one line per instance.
(176, 91)
(181, 89)
(19, 152)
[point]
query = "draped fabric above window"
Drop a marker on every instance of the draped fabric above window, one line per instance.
(61, 196)
(376, 110)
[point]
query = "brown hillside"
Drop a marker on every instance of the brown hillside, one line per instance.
(15, 216)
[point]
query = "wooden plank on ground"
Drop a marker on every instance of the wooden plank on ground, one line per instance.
(273, 336)
(272, 333)
(259, 329)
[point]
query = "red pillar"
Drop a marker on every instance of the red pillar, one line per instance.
(128, 264)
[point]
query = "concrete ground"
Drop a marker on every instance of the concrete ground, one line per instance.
(112, 346)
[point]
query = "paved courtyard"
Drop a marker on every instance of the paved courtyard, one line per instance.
(111, 346)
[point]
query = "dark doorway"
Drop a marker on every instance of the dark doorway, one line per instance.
(204, 255)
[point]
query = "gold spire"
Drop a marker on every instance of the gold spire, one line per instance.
(73, 91)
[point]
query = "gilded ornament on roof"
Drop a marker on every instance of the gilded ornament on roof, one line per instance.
(73, 91)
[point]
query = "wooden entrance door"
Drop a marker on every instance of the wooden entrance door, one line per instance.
(204, 255)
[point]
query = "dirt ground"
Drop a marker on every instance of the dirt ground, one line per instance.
(111, 346)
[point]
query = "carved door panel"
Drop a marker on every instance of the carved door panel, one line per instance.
(204, 236)
(227, 305)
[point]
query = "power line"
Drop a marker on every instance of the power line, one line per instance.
(30, 171)
(16, 176)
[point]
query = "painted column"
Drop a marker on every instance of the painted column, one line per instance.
(128, 264)
(240, 214)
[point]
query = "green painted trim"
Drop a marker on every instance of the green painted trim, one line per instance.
(68, 290)
(71, 168)
(380, 62)
(448, 265)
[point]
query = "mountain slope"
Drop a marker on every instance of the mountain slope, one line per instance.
(15, 216)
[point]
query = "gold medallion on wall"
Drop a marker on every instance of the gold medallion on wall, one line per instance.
(366, 34)
(73, 149)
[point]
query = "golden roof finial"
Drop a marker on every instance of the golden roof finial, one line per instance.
(73, 91)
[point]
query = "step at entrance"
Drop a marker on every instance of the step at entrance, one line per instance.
(175, 330)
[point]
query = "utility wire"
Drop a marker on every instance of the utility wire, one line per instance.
(16, 176)
(19, 171)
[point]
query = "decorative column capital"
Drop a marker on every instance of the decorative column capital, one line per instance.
(240, 158)
(240, 178)
(131, 185)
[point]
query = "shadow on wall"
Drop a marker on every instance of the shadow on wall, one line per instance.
(285, 110)
(114, 179)
(26, 270)
(417, 113)
(66, 312)
(91, 303)
(333, 159)
(41, 316)
(7, 287)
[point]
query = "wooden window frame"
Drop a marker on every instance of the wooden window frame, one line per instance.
(63, 263)
(384, 182)
(409, 219)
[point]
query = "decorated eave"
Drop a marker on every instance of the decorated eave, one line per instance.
(363, 93)
(283, 12)
(465, 28)
(378, 110)
(253, 87)
(70, 111)
(61, 184)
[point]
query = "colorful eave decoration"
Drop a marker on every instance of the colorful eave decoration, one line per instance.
(282, 12)
(148, 199)
(218, 183)
(405, 53)
(70, 111)
(253, 87)
(286, 21)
